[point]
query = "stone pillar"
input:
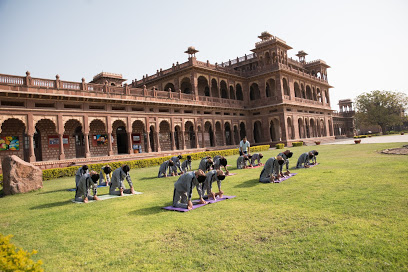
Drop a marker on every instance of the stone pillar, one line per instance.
(147, 130)
(30, 133)
(232, 134)
(157, 138)
(173, 140)
(129, 130)
(61, 147)
(130, 145)
(109, 130)
(202, 134)
(60, 128)
(284, 128)
(183, 138)
(194, 85)
(266, 137)
(262, 89)
(196, 134)
(296, 127)
(223, 134)
(86, 138)
(110, 150)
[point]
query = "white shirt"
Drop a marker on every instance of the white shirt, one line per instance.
(244, 146)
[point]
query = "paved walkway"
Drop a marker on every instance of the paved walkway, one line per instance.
(375, 140)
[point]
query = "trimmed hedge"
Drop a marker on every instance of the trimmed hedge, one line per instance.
(280, 146)
(70, 171)
(294, 144)
(13, 258)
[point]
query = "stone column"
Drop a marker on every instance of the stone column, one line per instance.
(129, 130)
(196, 134)
(86, 138)
(232, 134)
(296, 127)
(147, 131)
(223, 134)
(157, 138)
(194, 85)
(61, 146)
(30, 133)
(109, 130)
(284, 128)
(31, 146)
(60, 125)
(172, 139)
(202, 134)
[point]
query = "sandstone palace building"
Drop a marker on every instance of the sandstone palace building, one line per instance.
(192, 106)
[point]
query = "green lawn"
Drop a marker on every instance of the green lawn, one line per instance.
(350, 213)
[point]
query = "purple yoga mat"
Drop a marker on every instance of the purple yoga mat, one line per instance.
(231, 174)
(195, 205)
(312, 165)
(285, 178)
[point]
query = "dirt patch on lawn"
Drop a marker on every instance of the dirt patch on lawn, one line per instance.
(396, 151)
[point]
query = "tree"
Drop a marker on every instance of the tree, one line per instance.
(381, 108)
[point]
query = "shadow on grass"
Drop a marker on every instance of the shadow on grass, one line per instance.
(54, 191)
(51, 205)
(149, 178)
(148, 211)
(247, 184)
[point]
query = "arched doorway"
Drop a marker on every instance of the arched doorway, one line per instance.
(228, 140)
(121, 140)
(272, 131)
(257, 132)
(151, 139)
(242, 130)
(79, 143)
(37, 145)
(177, 134)
(208, 134)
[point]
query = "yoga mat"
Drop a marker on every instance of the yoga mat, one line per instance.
(231, 174)
(74, 189)
(285, 178)
(312, 165)
(195, 205)
(256, 166)
(105, 197)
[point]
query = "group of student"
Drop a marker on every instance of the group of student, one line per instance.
(209, 171)
(87, 181)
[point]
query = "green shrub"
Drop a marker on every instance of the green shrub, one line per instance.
(70, 171)
(13, 258)
(280, 146)
(294, 144)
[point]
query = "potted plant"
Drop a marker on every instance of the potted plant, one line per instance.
(402, 133)
(357, 141)
(317, 142)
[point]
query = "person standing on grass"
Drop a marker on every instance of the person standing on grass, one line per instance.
(270, 172)
(303, 161)
(186, 165)
(211, 176)
(105, 175)
(183, 189)
(86, 183)
(205, 164)
(176, 164)
(286, 155)
(244, 147)
(258, 157)
(220, 161)
(163, 168)
(81, 171)
(315, 153)
(117, 181)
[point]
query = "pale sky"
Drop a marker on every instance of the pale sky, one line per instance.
(364, 42)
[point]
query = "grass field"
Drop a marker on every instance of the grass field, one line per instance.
(350, 213)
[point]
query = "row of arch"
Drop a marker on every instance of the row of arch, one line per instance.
(204, 88)
(96, 141)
